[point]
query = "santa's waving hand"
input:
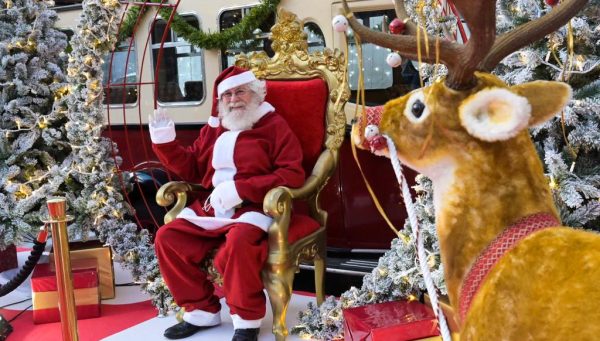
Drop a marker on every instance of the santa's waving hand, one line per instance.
(161, 126)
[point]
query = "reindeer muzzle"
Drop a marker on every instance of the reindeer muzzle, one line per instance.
(365, 130)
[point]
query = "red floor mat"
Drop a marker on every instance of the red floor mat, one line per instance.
(114, 319)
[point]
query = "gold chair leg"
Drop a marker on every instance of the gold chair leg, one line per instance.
(278, 283)
(319, 279)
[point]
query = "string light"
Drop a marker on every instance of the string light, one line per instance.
(579, 62)
(524, 58)
(431, 262)
(553, 184)
(94, 85)
(43, 124)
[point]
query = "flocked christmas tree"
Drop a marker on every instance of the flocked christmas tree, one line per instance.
(33, 147)
(569, 145)
(100, 203)
(50, 134)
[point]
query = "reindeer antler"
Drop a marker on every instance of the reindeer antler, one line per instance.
(481, 52)
(461, 60)
(481, 18)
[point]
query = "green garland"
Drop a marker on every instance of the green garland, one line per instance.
(197, 37)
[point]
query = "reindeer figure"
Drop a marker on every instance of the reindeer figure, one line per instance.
(512, 272)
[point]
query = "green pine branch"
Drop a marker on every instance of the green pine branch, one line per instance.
(195, 36)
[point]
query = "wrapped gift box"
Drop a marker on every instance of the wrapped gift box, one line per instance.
(103, 254)
(8, 258)
(390, 321)
(45, 291)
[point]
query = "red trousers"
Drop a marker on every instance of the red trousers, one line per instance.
(181, 246)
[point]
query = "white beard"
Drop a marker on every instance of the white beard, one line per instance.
(236, 119)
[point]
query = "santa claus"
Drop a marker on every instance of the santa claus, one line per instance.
(245, 150)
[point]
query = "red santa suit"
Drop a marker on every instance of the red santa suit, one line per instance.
(241, 166)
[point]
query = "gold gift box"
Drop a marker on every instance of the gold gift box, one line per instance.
(103, 254)
(49, 299)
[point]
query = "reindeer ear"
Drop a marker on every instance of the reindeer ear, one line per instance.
(546, 98)
(494, 114)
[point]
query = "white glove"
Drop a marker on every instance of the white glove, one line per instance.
(160, 119)
(162, 127)
(224, 198)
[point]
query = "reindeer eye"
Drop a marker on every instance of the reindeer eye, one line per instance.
(415, 110)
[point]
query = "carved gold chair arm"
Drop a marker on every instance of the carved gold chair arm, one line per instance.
(278, 201)
(175, 189)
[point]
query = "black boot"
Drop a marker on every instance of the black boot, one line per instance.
(246, 334)
(182, 330)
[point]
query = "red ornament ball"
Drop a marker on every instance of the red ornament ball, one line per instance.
(552, 3)
(397, 26)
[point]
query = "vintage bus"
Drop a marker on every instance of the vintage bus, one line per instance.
(357, 233)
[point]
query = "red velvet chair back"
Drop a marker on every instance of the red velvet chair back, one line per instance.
(303, 104)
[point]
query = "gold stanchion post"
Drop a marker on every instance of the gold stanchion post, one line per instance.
(64, 279)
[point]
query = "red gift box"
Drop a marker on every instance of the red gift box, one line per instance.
(8, 258)
(390, 321)
(45, 291)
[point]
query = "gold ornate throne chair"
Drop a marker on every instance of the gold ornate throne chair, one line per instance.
(309, 90)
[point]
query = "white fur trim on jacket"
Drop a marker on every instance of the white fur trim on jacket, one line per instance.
(257, 219)
(214, 121)
(495, 114)
(240, 323)
(222, 161)
(202, 318)
(164, 134)
(265, 108)
(233, 81)
(225, 196)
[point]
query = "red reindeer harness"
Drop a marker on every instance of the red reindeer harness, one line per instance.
(495, 250)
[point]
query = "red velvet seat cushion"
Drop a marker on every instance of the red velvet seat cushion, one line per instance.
(303, 104)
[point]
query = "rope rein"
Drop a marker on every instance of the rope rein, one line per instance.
(412, 216)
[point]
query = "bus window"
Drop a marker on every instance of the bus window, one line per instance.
(315, 37)
(381, 81)
(65, 5)
(180, 77)
(123, 78)
(259, 42)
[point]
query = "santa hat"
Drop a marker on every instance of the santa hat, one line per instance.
(230, 78)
